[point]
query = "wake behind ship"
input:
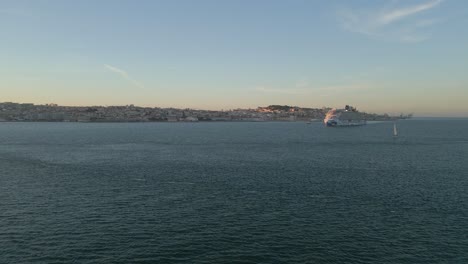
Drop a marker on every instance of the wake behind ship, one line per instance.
(348, 116)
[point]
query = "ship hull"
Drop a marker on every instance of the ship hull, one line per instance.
(347, 123)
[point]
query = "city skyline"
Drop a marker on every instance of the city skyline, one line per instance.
(380, 56)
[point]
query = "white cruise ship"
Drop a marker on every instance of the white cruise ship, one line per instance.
(348, 116)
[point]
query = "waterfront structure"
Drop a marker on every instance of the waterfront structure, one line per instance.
(54, 113)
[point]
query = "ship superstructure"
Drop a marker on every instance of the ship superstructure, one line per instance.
(348, 116)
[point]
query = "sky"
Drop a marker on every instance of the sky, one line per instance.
(406, 56)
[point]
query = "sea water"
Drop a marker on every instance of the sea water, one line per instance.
(234, 192)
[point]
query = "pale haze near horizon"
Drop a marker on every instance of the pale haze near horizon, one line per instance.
(380, 56)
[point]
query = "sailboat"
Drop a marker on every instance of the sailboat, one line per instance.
(395, 131)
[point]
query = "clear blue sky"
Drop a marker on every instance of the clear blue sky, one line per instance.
(381, 56)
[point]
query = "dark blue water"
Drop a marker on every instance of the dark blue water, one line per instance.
(234, 193)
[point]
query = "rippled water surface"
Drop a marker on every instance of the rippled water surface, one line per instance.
(234, 193)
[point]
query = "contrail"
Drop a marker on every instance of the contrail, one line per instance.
(124, 75)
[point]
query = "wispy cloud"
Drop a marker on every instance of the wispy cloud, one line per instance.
(124, 75)
(401, 13)
(389, 22)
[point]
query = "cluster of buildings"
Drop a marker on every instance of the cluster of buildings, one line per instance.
(130, 113)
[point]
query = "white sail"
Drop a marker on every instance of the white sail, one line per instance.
(395, 131)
